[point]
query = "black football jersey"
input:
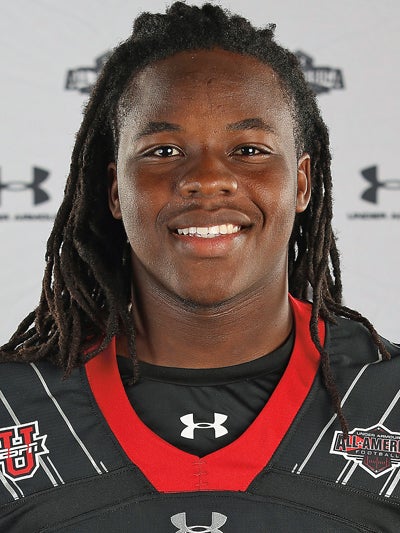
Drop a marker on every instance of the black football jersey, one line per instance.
(75, 456)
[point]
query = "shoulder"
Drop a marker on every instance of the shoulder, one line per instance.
(368, 381)
(349, 336)
(28, 390)
(22, 375)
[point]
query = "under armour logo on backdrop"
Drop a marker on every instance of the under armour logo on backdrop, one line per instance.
(219, 429)
(39, 194)
(371, 194)
(217, 520)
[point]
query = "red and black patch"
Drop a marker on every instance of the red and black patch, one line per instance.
(20, 449)
(375, 449)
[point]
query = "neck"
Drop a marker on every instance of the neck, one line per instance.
(172, 332)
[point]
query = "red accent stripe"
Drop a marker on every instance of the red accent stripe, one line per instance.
(230, 468)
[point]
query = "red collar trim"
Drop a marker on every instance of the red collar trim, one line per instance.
(231, 468)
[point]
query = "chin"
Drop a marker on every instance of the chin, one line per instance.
(205, 299)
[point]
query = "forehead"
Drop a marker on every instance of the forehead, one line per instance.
(201, 65)
(216, 79)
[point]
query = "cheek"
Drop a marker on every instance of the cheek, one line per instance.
(276, 194)
(130, 201)
(134, 213)
(141, 202)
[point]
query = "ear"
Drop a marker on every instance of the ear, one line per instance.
(113, 197)
(303, 183)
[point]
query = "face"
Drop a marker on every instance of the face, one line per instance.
(207, 181)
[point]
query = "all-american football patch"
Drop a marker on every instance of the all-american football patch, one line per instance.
(20, 449)
(376, 449)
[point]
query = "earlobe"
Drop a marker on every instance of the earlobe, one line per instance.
(303, 183)
(113, 197)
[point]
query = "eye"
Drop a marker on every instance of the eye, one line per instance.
(164, 151)
(250, 151)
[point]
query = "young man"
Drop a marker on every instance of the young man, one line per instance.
(198, 396)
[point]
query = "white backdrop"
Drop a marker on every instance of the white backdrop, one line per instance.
(354, 42)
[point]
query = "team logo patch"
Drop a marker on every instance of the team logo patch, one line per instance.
(188, 421)
(20, 449)
(217, 520)
(375, 449)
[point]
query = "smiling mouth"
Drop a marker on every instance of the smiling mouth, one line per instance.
(209, 232)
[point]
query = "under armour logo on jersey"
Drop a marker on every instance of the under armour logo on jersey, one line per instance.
(219, 429)
(217, 520)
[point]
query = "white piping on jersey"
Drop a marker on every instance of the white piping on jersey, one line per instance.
(49, 474)
(9, 487)
(316, 443)
(393, 485)
(3, 479)
(350, 472)
(389, 409)
(381, 421)
(55, 470)
(389, 479)
(346, 466)
(66, 420)
(328, 425)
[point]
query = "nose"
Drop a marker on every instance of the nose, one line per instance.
(207, 178)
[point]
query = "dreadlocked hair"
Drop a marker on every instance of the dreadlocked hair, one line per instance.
(86, 289)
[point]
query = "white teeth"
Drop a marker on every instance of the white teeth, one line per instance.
(214, 230)
(208, 232)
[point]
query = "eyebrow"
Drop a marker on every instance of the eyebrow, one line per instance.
(246, 124)
(156, 127)
(250, 124)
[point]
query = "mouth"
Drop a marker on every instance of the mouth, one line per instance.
(209, 232)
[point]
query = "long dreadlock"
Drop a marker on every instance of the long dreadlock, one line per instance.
(86, 286)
